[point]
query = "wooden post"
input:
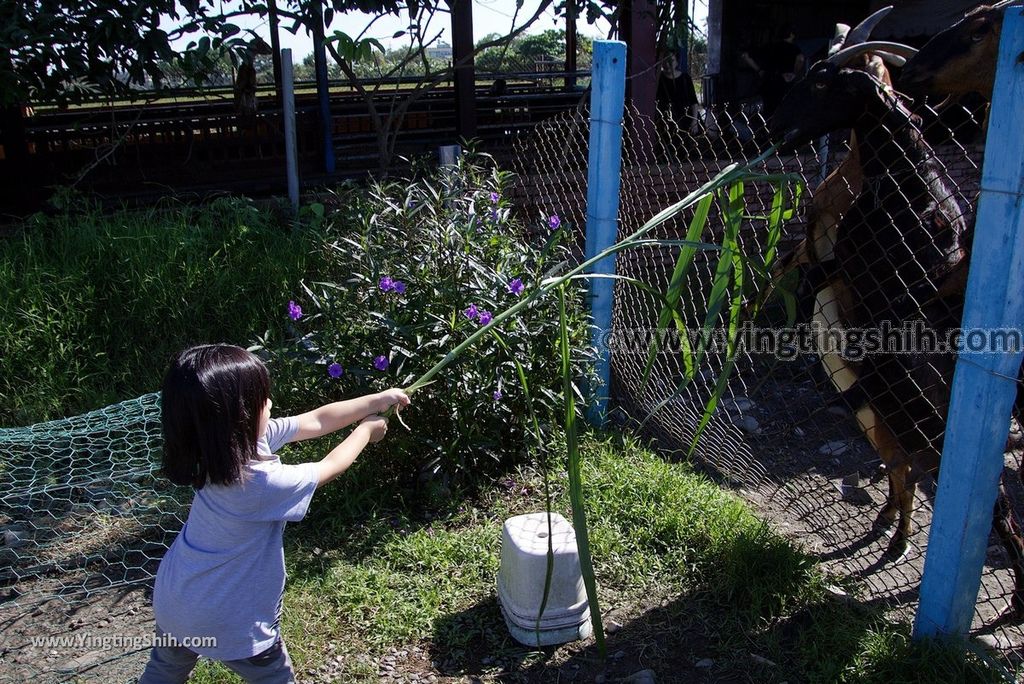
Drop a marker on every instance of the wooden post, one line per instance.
(275, 45)
(984, 383)
(323, 92)
(571, 46)
(607, 98)
(290, 152)
(639, 27)
(710, 92)
(465, 77)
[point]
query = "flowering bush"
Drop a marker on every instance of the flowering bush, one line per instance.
(415, 269)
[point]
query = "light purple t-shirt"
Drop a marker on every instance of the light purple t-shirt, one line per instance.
(224, 574)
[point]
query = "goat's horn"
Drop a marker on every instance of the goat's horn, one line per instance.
(846, 55)
(891, 59)
(839, 39)
(862, 31)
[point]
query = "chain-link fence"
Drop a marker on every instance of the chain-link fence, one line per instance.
(814, 435)
(84, 520)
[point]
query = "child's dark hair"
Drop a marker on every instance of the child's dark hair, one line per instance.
(213, 397)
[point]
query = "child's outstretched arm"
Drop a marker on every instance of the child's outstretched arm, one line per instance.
(371, 429)
(337, 415)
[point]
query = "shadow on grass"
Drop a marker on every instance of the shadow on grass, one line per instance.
(695, 638)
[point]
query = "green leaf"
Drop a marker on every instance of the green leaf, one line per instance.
(675, 290)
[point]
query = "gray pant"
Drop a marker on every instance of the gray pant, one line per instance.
(173, 664)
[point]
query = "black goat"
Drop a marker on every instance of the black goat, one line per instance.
(898, 245)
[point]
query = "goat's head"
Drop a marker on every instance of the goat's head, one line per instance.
(835, 93)
(961, 58)
(829, 98)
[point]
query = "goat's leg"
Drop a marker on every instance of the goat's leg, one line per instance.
(1005, 523)
(884, 442)
(902, 489)
(887, 515)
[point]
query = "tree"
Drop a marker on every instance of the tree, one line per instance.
(386, 115)
(65, 51)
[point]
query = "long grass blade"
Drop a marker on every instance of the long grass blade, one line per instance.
(733, 215)
(731, 201)
(579, 516)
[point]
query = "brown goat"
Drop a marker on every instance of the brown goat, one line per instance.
(898, 248)
(834, 196)
(960, 59)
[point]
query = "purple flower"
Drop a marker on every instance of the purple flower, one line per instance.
(294, 310)
(398, 286)
(386, 284)
(381, 363)
(494, 216)
(485, 317)
(554, 222)
(515, 286)
(335, 370)
(472, 312)
(497, 395)
(495, 197)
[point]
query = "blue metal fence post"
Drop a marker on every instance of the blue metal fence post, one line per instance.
(607, 93)
(984, 383)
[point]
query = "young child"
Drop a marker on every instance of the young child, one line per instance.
(223, 577)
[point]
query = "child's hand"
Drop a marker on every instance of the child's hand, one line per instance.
(376, 426)
(392, 397)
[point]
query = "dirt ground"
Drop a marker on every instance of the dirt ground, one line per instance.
(790, 450)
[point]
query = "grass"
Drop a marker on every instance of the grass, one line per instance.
(379, 569)
(95, 304)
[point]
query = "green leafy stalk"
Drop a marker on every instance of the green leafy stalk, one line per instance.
(728, 175)
(732, 212)
(670, 312)
(579, 517)
(731, 177)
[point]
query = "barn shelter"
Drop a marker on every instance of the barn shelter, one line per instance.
(189, 142)
(151, 144)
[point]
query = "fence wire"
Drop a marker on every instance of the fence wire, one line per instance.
(790, 435)
(84, 520)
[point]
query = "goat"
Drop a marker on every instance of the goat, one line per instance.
(960, 59)
(245, 77)
(899, 241)
(814, 256)
(834, 195)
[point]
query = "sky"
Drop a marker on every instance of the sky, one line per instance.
(489, 16)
